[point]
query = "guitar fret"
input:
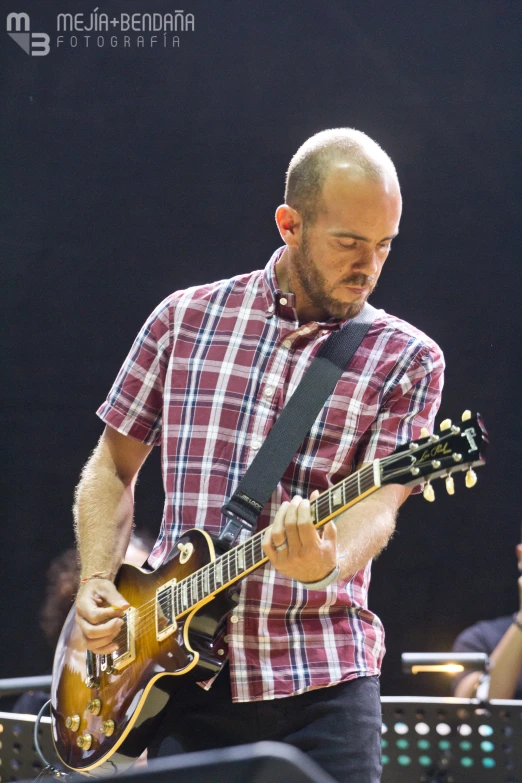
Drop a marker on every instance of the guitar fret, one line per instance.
(211, 587)
(231, 565)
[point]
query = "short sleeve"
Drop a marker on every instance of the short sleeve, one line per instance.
(134, 405)
(411, 404)
(472, 640)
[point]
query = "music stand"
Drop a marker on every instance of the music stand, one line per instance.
(18, 757)
(451, 740)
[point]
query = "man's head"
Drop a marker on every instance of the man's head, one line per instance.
(342, 210)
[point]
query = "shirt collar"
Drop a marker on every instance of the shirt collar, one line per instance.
(283, 304)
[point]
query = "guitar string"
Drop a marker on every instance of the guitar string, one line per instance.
(196, 580)
(230, 557)
(147, 611)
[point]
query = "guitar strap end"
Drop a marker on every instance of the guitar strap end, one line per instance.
(233, 527)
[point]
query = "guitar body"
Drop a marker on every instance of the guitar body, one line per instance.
(105, 709)
(132, 693)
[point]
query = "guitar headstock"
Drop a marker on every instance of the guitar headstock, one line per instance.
(452, 449)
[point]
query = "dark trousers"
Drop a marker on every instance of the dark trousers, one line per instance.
(339, 727)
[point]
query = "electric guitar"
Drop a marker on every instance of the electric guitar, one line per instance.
(105, 708)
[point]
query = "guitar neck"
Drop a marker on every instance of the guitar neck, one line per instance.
(246, 557)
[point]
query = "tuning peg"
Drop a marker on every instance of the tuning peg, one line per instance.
(450, 485)
(445, 425)
(424, 433)
(429, 493)
(466, 416)
(471, 478)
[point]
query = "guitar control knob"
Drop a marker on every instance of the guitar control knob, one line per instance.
(107, 727)
(84, 741)
(94, 706)
(73, 722)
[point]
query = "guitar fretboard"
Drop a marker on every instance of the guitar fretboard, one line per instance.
(234, 564)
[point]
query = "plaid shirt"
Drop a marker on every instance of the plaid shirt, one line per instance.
(206, 378)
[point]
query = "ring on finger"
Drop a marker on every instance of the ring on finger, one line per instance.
(278, 547)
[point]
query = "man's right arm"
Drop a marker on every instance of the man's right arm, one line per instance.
(103, 514)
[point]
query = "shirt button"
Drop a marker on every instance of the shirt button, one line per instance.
(283, 300)
(226, 639)
(287, 343)
(234, 619)
(271, 309)
(269, 391)
(255, 445)
(221, 651)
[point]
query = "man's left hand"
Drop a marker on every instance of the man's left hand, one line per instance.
(294, 546)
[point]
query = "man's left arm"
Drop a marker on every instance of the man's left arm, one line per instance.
(297, 549)
(364, 529)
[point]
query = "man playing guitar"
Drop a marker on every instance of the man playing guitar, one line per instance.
(206, 378)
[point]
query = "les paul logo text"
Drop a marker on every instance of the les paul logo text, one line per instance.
(439, 450)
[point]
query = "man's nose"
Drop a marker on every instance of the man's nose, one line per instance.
(368, 261)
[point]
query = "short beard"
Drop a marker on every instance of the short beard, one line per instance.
(313, 283)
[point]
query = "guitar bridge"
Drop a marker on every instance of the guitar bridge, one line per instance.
(126, 651)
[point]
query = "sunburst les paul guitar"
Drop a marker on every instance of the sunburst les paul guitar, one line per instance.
(105, 708)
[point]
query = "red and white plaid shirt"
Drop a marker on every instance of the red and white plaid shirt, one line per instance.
(207, 377)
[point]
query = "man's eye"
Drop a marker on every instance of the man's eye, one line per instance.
(348, 247)
(385, 247)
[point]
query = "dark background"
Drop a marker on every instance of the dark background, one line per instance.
(130, 173)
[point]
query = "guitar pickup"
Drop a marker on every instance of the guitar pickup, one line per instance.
(165, 614)
(126, 651)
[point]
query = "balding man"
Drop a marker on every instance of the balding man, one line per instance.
(206, 378)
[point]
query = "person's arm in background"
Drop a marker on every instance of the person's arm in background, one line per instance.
(505, 662)
(103, 514)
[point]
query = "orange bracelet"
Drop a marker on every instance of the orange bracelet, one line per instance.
(96, 575)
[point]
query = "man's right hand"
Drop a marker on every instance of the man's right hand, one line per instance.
(99, 607)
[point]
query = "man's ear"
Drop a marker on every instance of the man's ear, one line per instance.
(290, 224)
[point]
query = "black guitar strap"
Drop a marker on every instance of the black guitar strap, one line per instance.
(292, 426)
